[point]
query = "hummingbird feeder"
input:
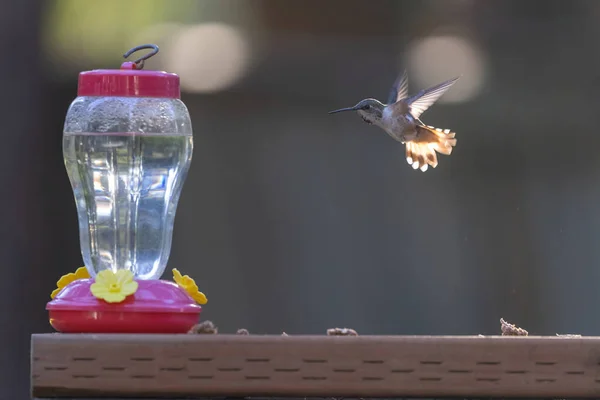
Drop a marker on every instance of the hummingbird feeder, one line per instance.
(127, 148)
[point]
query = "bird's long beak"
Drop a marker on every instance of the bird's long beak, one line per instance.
(343, 109)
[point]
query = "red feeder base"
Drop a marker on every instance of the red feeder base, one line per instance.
(156, 307)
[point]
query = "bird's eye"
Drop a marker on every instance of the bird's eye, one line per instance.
(367, 107)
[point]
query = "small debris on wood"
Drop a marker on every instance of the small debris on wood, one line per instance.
(511, 330)
(341, 332)
(569, 335)
(205, 327)
(242, 332)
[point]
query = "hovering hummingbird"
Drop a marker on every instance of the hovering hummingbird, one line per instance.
(400, 119)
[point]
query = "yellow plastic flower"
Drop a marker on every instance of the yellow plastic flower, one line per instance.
(80, 273)
(114, 287)
(188, 284)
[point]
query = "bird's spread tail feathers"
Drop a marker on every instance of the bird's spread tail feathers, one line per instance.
(420, 152)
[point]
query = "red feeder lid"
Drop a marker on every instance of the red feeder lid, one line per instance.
(130, 80)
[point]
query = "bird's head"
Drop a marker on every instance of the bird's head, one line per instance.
(371, 110)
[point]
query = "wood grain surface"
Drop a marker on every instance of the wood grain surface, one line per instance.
(175, 366)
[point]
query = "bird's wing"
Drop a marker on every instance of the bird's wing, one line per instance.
(420, 102)
(399, 89)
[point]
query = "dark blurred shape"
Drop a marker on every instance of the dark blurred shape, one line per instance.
(28, 233)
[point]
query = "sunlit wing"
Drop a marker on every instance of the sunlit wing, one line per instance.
(420, 102)
(399, 89)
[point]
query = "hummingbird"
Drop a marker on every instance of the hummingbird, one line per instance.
(400, 119)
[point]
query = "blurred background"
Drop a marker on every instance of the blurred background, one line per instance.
(295, 220)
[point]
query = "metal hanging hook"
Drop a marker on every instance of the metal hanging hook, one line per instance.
(139, 63)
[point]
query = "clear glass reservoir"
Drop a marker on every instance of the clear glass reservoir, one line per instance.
(127, 159)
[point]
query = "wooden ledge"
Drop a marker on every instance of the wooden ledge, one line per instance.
(175, 366)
